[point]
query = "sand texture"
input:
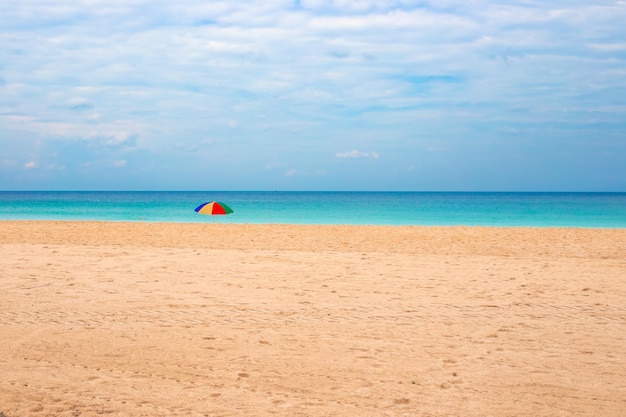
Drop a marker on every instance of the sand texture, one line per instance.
(143, 319)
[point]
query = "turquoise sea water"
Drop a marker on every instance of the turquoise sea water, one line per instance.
(601, 210)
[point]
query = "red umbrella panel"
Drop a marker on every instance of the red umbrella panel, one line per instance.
(213, 208)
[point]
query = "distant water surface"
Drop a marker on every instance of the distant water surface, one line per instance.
(601, 210)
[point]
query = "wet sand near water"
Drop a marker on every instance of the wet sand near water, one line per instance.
(161, 319)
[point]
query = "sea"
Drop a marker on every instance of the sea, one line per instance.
(534, 209)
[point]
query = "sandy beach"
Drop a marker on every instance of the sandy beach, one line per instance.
(144, 319)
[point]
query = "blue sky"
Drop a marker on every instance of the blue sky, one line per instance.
(313, 95)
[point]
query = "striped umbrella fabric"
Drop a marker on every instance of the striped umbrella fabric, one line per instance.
(213, 208)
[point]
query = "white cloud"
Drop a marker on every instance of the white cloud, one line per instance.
(119, 163)
(357, 154)
(393, 20)
(611, 47)
(7, 163)
(291, 173)
(30, 165)
(270, 166)
(18, 118)
(53, 167)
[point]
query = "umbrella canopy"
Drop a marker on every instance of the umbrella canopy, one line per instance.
(213, 208)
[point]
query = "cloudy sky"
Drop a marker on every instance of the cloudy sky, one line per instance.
(313, 95)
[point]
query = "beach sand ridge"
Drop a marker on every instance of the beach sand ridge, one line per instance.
(160, 319)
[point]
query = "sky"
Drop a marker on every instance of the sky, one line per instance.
(408, 95)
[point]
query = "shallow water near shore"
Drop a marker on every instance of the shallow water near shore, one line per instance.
(594, 210)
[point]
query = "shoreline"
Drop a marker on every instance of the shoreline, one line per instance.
(228, 319)
(234, 223)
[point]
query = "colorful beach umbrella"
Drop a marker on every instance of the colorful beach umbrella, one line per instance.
(213, 208)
